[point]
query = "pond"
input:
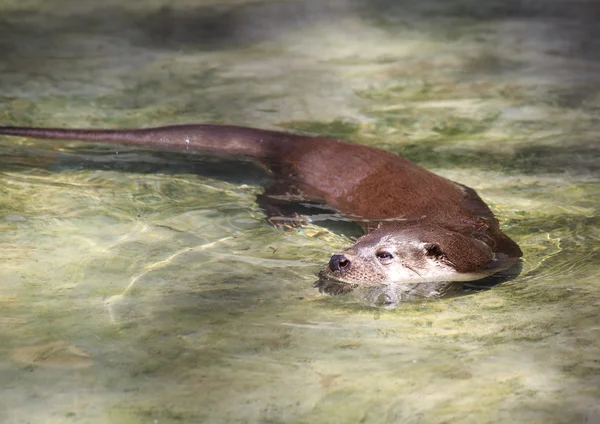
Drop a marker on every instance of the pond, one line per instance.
(143, 287)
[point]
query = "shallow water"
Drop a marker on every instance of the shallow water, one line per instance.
(139, 287)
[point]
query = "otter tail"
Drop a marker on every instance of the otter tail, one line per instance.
(212, 140)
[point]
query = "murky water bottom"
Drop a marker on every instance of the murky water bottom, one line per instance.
(139, 287)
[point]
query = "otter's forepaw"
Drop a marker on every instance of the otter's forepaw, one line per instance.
(289, 223)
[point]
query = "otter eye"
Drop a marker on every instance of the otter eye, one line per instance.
(384, 256)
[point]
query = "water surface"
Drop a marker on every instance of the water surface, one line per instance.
(140, 287)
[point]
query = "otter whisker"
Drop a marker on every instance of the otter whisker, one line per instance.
(413, 270)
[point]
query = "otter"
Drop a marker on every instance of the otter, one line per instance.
(424, 235)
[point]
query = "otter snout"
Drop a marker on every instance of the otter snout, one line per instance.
(340, 263)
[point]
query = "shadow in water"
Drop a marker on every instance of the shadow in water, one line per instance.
(131, 160)
(210, 27)
(493, 280)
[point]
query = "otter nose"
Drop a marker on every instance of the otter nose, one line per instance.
(339, 263)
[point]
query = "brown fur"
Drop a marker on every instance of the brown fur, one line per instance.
(386, 193)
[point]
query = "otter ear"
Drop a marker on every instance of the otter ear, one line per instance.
(434, 250)
(465, 254)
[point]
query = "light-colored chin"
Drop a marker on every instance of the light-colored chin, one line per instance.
(406, 276)
(439, 273)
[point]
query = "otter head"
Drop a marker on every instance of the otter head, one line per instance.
(402, 258)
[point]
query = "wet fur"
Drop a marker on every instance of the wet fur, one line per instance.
(440, 223)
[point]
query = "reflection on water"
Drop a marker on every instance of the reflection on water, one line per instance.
(141, 287)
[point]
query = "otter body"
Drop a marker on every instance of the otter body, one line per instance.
(423, 233)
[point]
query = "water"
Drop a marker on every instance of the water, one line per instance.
(139, 287)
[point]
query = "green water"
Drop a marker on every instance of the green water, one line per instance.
(139, 287)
